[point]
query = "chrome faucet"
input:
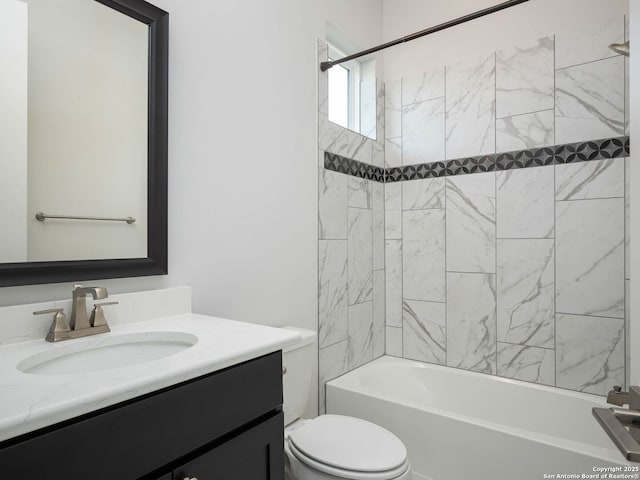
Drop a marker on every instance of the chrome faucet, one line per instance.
(80, 324)
(79, 317)
(618, 397)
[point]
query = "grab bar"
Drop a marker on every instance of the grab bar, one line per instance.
(41, 217)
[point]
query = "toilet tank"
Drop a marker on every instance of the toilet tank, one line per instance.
(297, 367)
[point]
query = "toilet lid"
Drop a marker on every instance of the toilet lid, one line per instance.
(350, 444)
(335, 472)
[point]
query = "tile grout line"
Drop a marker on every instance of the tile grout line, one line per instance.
(495, 193)
(446, 292)
(424, 301)
(626, 125)
(525, 346)
(370, 186)
(586, 63)
(382, 87)
(525, 238)
(525, 113)
(324, 347)
(555, 230)
(590, 315)
(401, 227)
(470, 273)
(387, 342)
(320, 388)
(588, 199)
(347, 349)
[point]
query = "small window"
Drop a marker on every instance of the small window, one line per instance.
(339, 95)
(344, 91)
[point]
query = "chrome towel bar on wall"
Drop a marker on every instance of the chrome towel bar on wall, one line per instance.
(41, 217)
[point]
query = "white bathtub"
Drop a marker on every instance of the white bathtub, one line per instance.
(464, 425)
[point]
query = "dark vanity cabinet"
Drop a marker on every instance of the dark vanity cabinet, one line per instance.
(227, 425)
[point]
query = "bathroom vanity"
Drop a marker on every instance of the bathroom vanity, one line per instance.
(89, 409)
(225, 425)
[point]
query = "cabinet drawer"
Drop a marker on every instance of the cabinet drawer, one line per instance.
(140, 436)
(257, 454)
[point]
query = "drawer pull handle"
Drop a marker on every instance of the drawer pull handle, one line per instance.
(190, 478)
(284, 372)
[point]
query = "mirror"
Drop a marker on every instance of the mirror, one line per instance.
(83, 140)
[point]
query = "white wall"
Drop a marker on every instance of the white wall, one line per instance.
(242, 150)
(85, 58)
(242, 157)
(357, 23)
(13, 131)
(242, 162)
(527, 21)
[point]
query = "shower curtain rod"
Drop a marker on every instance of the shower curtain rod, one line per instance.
(324, 66)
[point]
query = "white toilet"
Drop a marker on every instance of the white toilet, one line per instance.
(332, 447)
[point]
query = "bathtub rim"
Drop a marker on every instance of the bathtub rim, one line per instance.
(484, 376)
(606, 454)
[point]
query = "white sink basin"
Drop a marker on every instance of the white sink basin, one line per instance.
(106, 352)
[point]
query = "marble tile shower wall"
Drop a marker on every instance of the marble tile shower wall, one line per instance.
(518, 273)
(351, 323)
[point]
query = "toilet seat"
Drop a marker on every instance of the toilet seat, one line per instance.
(348, 474)
(348, 447)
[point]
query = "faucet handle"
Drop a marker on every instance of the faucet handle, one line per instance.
(97, 314)
(50, 310)
(59, 324)
(617, 396)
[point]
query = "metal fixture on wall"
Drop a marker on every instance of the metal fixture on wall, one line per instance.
(324, 66)
(41, 217)
(621, 48)
(622, 424)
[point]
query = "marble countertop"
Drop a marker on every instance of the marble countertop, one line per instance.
(30, 401)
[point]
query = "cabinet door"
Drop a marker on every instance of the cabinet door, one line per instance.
(257, 454)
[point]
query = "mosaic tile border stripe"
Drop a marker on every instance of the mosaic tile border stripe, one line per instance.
(341, 164)
(535, 157)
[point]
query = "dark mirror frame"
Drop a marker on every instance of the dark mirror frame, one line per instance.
(33, 273)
